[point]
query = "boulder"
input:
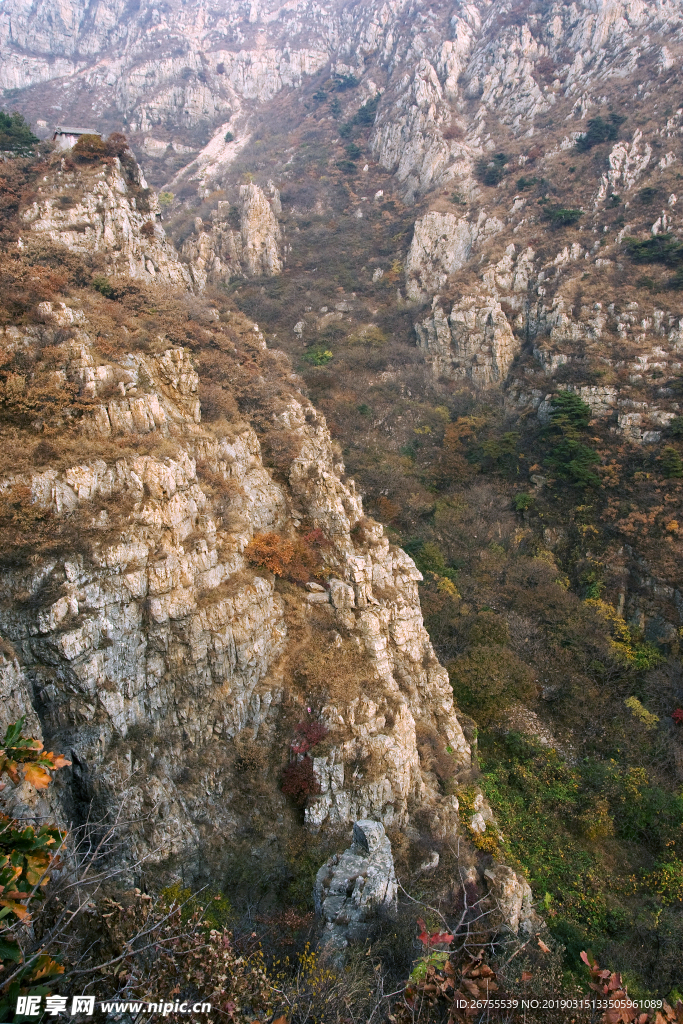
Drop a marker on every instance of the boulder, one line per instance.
(514, 900)
(353, 888)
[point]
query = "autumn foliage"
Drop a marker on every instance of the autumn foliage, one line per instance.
(37, 764)
(27, 856)
(308, 734)
(298, 778)
(297, 559)
(299, 781)
(620, 1009)
(95, 149)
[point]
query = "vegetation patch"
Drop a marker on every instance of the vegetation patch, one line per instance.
(600, 130)
(664, 248)
(562, 217)
(562, 823)
(571, 458)
(16, 136)
(490, 172)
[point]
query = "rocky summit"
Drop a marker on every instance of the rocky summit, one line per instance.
(341, 494)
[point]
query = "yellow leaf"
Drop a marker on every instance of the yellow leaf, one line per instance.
(12, 770)
(36, 865)
(37, 776)
(47, 967)
(21, 912)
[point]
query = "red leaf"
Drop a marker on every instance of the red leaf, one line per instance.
(584, 957)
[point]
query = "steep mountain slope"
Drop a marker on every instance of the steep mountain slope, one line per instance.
(184, 614)
(461, 223)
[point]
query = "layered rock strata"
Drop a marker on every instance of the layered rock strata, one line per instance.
(164, 629)
(107, 211)
(475, 341)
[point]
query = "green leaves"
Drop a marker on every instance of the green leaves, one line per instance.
(9, 950)
(318, 357)
(600, 130)
(672, 464)
(664, 248)
(490, 172)
(570, 458)
(16, 135)
(562, 217)
(14, 740)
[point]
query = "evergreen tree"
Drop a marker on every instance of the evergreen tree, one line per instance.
(672, 464)
(570, 458)
(16, 135)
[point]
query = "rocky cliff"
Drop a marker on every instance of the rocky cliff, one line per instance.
(108, 211)
(449, 219)
(522, 163)
(153, 641)
(255, 250)
(166, 631)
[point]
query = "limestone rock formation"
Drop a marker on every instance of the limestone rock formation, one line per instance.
(442, 243)
(513, 898)
(166, 629)
(111, 212)
(160, 657)
(448, 78)
(160, 626)
(252, 251)
(260, 231)
(475, 341)
(354, 888)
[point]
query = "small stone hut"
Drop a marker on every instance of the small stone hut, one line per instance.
(68, 137)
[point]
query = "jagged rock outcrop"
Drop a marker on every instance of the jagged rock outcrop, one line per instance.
(409, 135)
(514, 907)
(354, 888)
(442, 243)
(475, 341)
(108, 211)
(453, 79)
(163, 628)
(253, 251)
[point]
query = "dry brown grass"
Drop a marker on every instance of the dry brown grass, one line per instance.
(434, 756)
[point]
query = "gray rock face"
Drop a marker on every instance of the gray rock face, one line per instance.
(353, 888)
(161, 627)
(476, 341)
(514, 901)
(223, 252)
(235, 57)
(443, 243)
